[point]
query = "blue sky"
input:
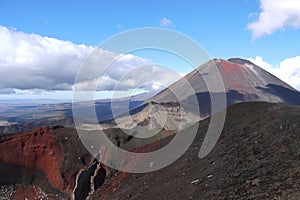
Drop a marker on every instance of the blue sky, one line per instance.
(219, 26)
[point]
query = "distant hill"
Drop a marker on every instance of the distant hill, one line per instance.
(17, 117)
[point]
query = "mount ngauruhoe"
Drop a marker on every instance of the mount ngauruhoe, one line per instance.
(243, 82)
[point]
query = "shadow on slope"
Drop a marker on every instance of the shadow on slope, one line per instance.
(287, 95)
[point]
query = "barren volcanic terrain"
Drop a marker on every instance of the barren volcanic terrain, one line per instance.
(256, 157)
(46, 160)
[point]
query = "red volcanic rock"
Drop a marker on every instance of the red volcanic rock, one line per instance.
(236, 76)
(49, 158)
(36, 149)
(116, 180)
(232, 67)
(110, 186)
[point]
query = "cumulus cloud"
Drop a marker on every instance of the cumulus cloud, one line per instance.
(30, 61)
(33, 62)
(275, 15)
(148, 77)
(288, 70)
(165, 22)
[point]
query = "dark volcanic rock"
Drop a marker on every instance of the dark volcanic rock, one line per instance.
(256, 157)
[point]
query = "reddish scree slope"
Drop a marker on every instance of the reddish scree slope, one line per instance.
(50, 158)
(37, 149)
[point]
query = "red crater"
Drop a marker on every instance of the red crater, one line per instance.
(36, 149)
(50, 159)
(230, 68)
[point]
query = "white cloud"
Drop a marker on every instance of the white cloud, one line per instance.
(165, 22)
(7, 91)
(288, 70)
(30, 61)
(33, 62)
(275, 15)
(146, 77)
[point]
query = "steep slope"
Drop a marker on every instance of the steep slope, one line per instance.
(243, 81)
(256, 157)
(50, 162)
